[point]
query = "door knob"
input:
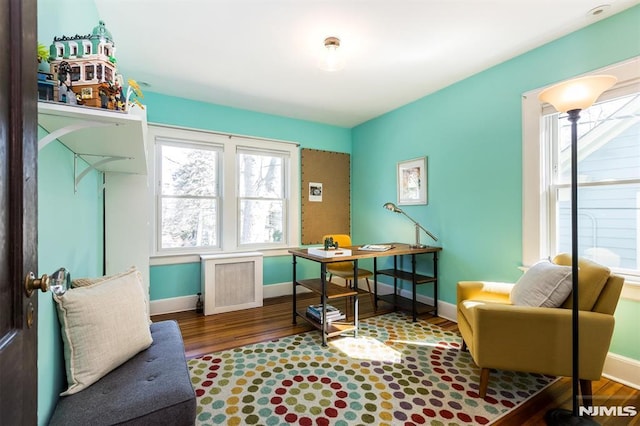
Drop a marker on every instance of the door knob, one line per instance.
(31, 282)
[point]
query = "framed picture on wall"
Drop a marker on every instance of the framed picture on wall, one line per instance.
(412, 181)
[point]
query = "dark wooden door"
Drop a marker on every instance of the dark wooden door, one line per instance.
(18, 212)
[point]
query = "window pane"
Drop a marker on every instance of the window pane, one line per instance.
(261, 221)
(608, 226)
(75, 73)
(188, 222)
(608, 142)
(260, 175)
(189, 171)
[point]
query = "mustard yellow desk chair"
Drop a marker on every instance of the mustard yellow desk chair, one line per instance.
(502, 332)
(344, 270)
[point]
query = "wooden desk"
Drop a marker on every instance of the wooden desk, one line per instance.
(328, 291)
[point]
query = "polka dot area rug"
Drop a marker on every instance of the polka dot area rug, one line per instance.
(396, 372)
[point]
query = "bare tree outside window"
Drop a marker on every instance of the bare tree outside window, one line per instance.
(261, 197)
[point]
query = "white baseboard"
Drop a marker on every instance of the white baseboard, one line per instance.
(173, 304)
(448, 311)
(622, 370)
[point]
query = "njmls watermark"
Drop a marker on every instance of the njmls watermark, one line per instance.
(623, 408)
(603, 411)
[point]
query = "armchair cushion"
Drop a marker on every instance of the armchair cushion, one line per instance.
(545, 284)
(591, 280)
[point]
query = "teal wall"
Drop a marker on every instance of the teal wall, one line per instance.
(174, 280)
(175, 111)
(626, 339)
(65, 17)
(70, 236)
(471, 132)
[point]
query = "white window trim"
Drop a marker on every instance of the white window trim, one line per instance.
(228, 191)
(535, 209)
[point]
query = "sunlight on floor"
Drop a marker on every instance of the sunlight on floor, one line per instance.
(366, 348)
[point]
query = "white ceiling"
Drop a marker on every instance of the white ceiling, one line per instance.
(262, 55)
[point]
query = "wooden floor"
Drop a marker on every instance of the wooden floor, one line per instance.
(203, 335)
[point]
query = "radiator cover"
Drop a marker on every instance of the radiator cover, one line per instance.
(231, 282)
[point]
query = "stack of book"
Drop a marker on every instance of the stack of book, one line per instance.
(333, 313)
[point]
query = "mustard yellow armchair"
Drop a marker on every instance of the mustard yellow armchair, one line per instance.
(504, 336)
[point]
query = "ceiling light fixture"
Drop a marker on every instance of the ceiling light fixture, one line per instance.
(332, 60)
(599, 10)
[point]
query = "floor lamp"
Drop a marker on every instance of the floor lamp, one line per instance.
(572, 97)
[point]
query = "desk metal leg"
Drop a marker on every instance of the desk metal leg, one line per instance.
(294, 291)
(395, 279)
(355, 318)
(414, 286)
(435, 283)
(375, 283)
(323, 279)
(354, 283)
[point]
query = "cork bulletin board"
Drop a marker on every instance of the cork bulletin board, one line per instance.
(326, 194)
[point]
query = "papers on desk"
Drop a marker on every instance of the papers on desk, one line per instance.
(376, 247)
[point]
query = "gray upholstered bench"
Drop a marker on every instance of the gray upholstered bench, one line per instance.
(152, 388)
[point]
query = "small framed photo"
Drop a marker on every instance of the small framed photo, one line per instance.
(412, 182)
(315, 192)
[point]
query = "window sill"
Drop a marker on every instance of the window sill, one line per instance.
(631, 290)
(175, 258)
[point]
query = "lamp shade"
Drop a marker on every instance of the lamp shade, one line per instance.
(578, 93)
(392, 207)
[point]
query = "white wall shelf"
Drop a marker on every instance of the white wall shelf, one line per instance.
(114, 143)
(109, 141)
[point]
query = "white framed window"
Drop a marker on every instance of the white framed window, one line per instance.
(609, 177)
(188, 195)
(222, 193)
(261, 177)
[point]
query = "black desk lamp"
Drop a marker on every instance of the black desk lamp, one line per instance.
(572, 97)
(392, 207)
